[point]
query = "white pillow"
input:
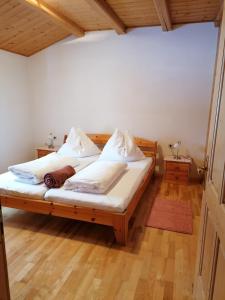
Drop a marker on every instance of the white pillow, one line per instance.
(121, 147)
(67, 150)
(78, 144)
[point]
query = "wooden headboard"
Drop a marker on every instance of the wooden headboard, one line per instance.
(148, 147)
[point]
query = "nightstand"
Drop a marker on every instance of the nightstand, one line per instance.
(177, 170)
(42, 151)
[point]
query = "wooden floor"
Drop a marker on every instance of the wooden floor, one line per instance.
(55, 258)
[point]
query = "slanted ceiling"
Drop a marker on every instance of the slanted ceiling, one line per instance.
(28, 26)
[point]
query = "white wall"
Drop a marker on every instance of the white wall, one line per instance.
(15, 120)
(153, 83)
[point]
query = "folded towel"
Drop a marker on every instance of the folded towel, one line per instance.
(57, 178)
(33, 172)
(96, 178)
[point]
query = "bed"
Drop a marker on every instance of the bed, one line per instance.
(113, 209)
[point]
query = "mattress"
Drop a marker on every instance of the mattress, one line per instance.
(9, 185)
(116, 199)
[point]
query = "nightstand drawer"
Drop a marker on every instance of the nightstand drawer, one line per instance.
(41, 153)
(177, 170)
(176, 177)
(177, 167)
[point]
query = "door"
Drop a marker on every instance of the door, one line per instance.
(210, 265)
(4, 286)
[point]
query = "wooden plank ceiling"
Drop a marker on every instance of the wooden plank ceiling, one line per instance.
(28, 26)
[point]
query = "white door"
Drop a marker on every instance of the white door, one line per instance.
(210, 265)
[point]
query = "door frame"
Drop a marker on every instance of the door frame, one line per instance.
(4, 281)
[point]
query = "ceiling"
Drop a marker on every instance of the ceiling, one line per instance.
(28, 26)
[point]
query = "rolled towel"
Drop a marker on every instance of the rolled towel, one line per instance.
(33, 172)
(57, 178)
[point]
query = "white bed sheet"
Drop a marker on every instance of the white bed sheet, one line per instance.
(116, 200)
(10, 186)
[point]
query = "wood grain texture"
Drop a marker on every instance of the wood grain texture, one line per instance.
(147, 146)
(177, 172)
(219, 15)
(104, 9)
(119, 221)
(26, 30)
(42, 151)
(82, 13)
(58, 17)
(56, 258)
(163, 14)
(4, 284)
(192, 11)
(136, 13)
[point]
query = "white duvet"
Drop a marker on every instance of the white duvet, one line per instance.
(96, 178)
(33, 172)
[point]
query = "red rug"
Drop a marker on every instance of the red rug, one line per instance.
(171, 215)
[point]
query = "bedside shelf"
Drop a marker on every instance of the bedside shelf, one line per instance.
(42, 151)
(177, 170)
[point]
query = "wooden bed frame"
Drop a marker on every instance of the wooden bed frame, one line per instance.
(119, 221)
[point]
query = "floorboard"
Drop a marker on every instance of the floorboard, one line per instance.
(55, 258)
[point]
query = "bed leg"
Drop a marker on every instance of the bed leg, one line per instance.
(120, 228)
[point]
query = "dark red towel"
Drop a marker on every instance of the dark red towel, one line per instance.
(57, 178)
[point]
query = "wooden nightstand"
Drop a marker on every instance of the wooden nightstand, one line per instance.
(42, 151)
(177, 170)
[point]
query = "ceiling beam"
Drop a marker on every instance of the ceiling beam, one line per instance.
(60, 19)
(219, 15)
(105, 9)
(162, 9)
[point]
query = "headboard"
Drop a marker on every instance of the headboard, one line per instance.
(148, 147)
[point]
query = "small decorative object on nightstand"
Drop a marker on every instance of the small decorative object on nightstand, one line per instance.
(177, 170)
(50, 141)
(175, 147)
(42, 151)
